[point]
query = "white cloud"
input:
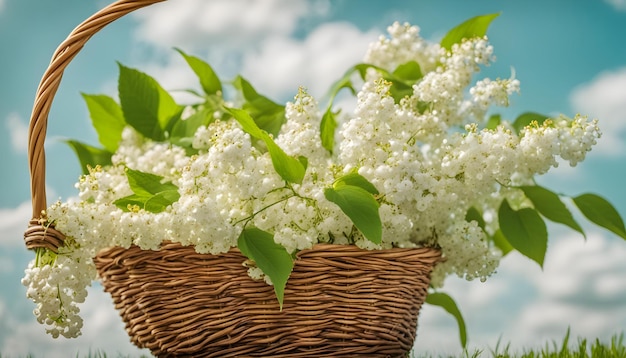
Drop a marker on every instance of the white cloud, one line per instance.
(261, 47)
(282, 64)
(207, 24)
(605, 98)
(619, 5)
(581, 287)
(17, 129)
(13, 222)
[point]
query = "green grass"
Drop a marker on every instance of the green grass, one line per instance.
(616, 348)
(584, 348)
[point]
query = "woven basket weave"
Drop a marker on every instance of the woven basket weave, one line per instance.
(339, 301)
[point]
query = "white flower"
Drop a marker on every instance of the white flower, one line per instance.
(403, 45)
(426, 154)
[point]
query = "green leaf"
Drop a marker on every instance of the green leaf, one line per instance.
(362, 69)
(267, 114)
(208, 79)
(304, 161)
(289, 168)
(494, 121)
(500, 241)
(146, 105)
(270, 257)
(360, 206)
(400, 90)
(526, 118)
(474, 27)
(107, 118)
(408, 72)
(402, 79)
(160, 201)
(131, 200)
(89, 155)
(599, 211)
(343, 82)
(525, 230)
(186, 128)
(327, 129)
(142, 183)
(149, 192)
(446, 302)
(550, 205)
(474, 215)
(355, 179)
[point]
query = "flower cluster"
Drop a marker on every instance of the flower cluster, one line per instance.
(58, 283)
(426, 154)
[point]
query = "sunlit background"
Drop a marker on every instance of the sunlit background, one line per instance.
(569, 56)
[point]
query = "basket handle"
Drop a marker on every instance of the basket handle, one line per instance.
(39, 234)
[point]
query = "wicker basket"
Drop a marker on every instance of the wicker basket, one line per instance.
(339, 301)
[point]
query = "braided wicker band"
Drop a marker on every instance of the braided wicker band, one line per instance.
(339, 301)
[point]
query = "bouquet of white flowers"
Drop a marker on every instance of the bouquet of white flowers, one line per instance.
(421, 162)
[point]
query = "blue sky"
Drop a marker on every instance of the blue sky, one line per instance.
(568, 55)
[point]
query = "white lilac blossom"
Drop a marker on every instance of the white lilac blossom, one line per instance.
(425, 154)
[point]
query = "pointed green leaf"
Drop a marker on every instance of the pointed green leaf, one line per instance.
(271, 122)
(149, 192)
(208, 79)
(400, 90)
(360, 206)
(267, 114)
(402, 79)
(550, 205)
(147, 184)
(525, 230)
(160, 201)
(270, 257)
(494, 121)
(599, 211)
(526, 118)
(247, 123)
(89, 155)
(130, 200)
(343, 82)
(327, 129)
(474, 27)
(107, 118)
(186, 128)
(152, 203)
(289, 168)
(355, 179)
(182, 131)
(446, 302)
(474, 215)
(409, 72)
(304, 161)
(500, 241)
(146, 105)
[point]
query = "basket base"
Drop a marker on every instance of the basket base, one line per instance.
(339, 301)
